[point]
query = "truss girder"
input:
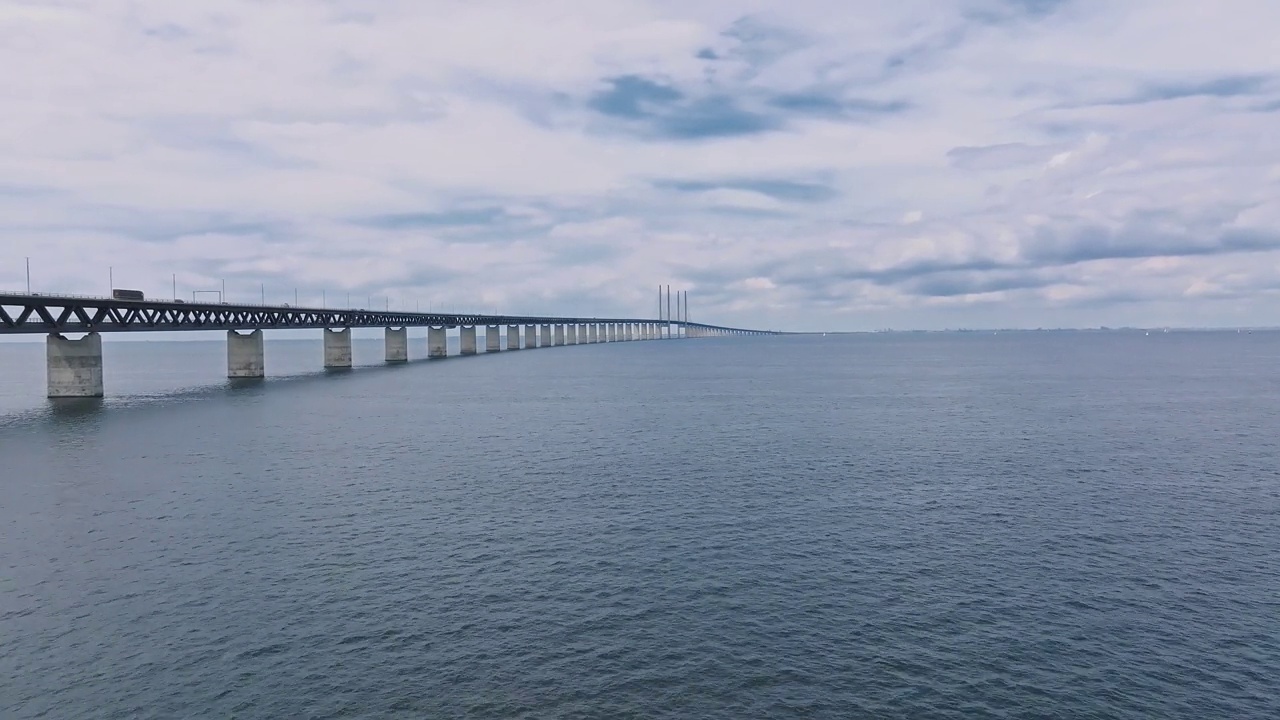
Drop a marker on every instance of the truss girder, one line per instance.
(30, 314)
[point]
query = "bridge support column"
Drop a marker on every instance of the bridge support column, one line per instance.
(337, 348)
(571, 333)
(493, 338)
(531, 336)
(244, 355)
(559, 334)
(613, 332)
(74, 367)
(397, 344)
(437, 343)
(513, 337)
(582, 334)
(467, 340)
(591, 332)
(546, 335)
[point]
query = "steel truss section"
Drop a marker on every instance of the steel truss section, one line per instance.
(31, 314)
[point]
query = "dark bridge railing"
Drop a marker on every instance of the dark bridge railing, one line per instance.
(31, 314)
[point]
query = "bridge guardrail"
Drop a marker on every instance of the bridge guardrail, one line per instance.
(75, 296)
(81, 313)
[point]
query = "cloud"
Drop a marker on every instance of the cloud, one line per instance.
(1003, 156)
(660, 111)
(633, 97)
(907, 164)
(1229, 86)
(776, 188)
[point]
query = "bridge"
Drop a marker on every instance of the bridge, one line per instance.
(75, 367)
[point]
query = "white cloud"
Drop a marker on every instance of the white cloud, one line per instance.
(899, 164)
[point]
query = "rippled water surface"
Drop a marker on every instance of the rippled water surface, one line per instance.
(1018, 525)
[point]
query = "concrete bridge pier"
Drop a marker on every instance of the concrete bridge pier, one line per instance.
(337, 348)
(513, 337)
(467, 340)
(582, 334)
(397, 345)
(559, 334)
(74, 367)
(531, 336)
(437, 343)
(592, 337)
(493, 338)
(545, 340)
(244, 355)
(612, 330)
(571, 332)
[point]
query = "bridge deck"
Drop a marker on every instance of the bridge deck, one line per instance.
(32, 314)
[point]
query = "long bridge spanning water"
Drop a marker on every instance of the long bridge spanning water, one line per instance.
(75, 367)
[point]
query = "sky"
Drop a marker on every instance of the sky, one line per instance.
(802, 165)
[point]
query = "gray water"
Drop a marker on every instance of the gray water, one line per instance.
(1072, 525)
